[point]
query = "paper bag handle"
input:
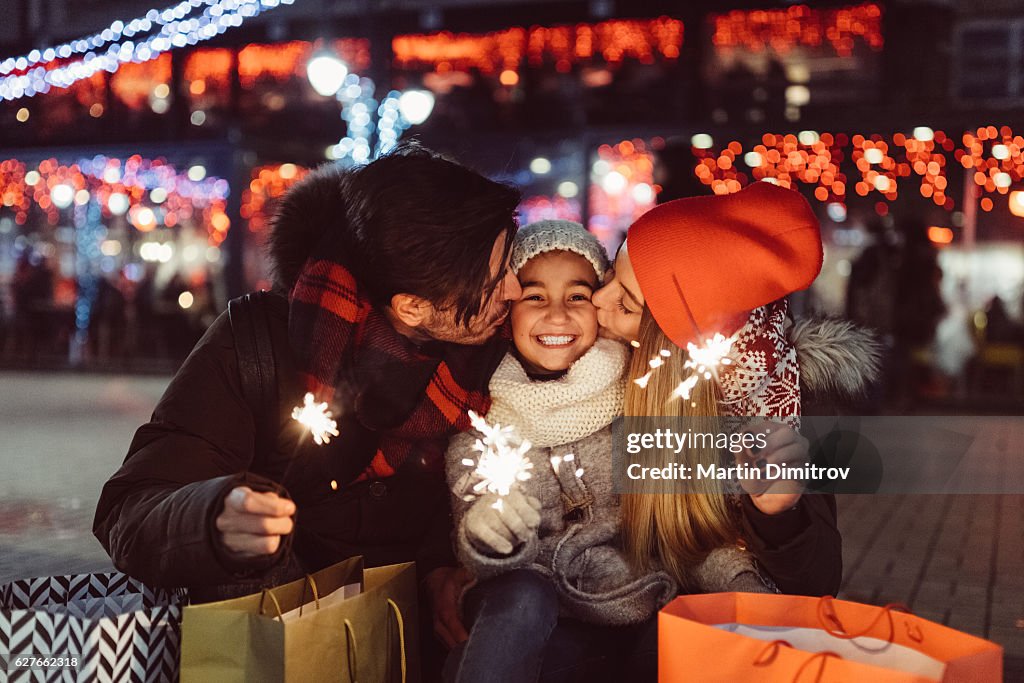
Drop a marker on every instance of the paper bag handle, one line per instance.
(350, 638)
(273, 598)
(831, 625)
(823, 657)
(350, 641)
(401, 633)
(311, 582)
(768, 655)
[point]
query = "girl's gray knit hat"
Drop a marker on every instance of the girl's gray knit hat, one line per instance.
(552, 235)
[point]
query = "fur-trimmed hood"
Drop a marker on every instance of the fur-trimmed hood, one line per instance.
(308, 210)
(838, 359)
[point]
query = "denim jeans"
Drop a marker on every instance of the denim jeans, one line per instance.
(512, 616)
(517, 637)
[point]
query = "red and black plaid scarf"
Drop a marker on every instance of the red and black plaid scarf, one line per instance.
(393, 400)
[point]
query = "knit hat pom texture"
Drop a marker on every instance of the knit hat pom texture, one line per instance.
(556, 235)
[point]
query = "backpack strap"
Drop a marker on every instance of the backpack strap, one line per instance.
(254, 350)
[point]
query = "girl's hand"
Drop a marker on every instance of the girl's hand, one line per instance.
(786, 446)
(499, 528)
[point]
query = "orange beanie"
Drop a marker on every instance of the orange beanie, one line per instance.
(728, 254)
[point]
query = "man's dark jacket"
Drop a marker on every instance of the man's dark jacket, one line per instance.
(156, 515)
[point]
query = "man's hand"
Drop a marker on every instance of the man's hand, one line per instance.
(252, 523)
(784, 446)
(444, 586)
(499, 524)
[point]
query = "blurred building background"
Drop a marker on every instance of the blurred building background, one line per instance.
(140, 160)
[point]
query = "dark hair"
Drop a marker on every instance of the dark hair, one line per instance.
(410, 222)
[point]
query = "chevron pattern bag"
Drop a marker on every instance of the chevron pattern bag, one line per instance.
(117, 628)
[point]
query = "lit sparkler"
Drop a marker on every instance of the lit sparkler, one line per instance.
(502, 462)
(316, 418)
(704, 361)
(707, 359)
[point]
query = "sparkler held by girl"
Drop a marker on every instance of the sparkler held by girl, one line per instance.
(501, 463)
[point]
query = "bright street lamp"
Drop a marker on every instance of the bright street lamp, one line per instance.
(326, 73)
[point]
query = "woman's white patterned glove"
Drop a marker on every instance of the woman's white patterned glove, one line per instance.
(498, 529)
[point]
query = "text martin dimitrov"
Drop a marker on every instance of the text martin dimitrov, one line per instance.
(768, 471)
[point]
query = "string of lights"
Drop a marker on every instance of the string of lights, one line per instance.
(112, 34)
(878, 164)
(217, 17)
(784, 30)
(503, 52)
(363, 114)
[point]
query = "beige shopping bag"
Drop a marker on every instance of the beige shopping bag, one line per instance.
(368, 637)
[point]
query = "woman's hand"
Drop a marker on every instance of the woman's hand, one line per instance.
(786, 446)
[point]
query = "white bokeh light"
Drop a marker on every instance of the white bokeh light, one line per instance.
(62, 195)
(614, 183)
(540, 166)
(416, 105)
(118, 203)
(326, 73)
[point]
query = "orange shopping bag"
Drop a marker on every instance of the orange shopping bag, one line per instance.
(794, 639)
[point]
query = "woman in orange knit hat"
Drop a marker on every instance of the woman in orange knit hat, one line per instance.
(691, 269)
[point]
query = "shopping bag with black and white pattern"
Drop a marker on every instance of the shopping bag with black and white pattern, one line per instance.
(113, 627)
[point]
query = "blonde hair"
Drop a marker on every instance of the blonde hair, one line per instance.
(674, 532)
